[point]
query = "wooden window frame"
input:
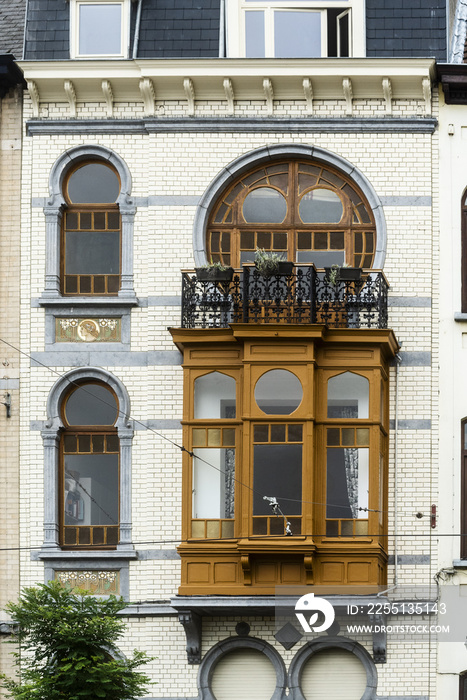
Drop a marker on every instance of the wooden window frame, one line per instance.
(311, 414)
(463, 524)
(228, 233)
(79, 209)
(85, 430)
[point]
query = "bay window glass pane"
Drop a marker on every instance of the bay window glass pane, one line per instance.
(91, 404)
(347, 482)
(100, 29)
(215, 396)
(278, 392)
(348, 396)
(277, 473)
(92, 253)
(297, 34)
(214, 483)
(91, 489)
(254, 34)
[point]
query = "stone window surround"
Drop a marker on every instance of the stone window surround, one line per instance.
(225, 646)
(303, 655)
(51, 431)
(291, 679)
(53, 210)
(266, 154)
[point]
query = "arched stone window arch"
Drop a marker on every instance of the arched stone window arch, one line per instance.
(221, 651)
(319, 208)
(51, 434)
(57, 204)
(326, 644)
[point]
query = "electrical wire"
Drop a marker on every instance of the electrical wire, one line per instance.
(172, 442)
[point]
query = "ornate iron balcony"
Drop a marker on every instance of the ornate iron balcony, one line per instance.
(304, 296)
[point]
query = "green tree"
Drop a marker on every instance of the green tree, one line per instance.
(67, 647)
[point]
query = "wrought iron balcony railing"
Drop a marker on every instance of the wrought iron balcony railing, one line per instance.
(305, 296)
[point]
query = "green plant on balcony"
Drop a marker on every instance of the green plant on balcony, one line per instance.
(269, 263)
(214, 271)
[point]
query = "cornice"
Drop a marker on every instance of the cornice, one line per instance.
(168, 79)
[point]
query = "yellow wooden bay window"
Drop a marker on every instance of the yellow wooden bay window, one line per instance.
(285, 473)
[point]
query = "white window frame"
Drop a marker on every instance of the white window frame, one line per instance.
(236, 31)
(75, 6)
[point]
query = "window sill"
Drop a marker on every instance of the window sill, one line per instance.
(459, 564)
(54, 555)
(84, 301)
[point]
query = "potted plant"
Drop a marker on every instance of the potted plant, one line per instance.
(344, 273)
(269, 263)
(214, 272)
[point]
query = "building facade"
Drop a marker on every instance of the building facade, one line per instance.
(163, 415)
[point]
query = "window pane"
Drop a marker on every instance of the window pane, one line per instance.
(93, 183)
(92, 253)
(264, 205)
(91, 489)
(348, 396)
(297, 34)
(321, 206)
(215, 396)
(278, 392)
(277, 473)
(321, 259)
(347, 482)
(214, 483)
(254, 34)
(91, 404)
(100, 29)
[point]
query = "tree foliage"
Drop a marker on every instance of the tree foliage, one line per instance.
(67, 647)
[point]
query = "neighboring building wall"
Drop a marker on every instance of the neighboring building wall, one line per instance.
(170, 172)
(453, 384)
(10, 196)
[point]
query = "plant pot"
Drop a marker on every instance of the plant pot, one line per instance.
(350, 274)
(213, 274)
(284, 267)
(345, 274)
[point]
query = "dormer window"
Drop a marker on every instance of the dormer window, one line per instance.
(99, 29)
(294, 29)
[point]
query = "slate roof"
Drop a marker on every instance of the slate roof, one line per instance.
(168, 28)
(12, 15)
(179, 29)
(190, 28)
(406, 28)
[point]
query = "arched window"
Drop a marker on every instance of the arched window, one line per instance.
(242, 667)
(89, 218)
(333, 668)
(307, 211)
(91, 234)
(87, 462)
(89, 467)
